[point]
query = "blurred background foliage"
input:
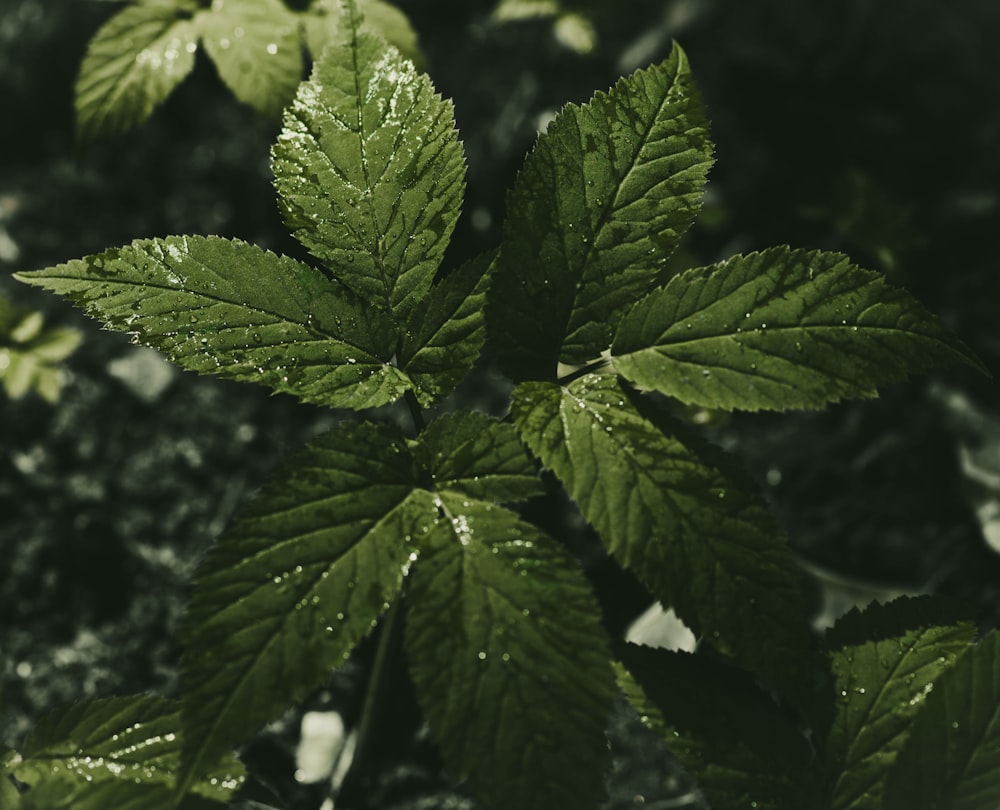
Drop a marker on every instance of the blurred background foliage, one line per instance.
(866, 127)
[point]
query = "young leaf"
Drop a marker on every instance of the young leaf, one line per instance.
(600, 204)
(256, 48)
(225, 307)
(509, 660)
(699, 543)
(881, 684)
(448, 331)
(117, 752)
(743, 750)
(297, 583)
(133, 63)
(469, 453)
(952, 757)
(779, 329)
(369, 170)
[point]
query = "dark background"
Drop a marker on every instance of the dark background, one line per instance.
(867, 127)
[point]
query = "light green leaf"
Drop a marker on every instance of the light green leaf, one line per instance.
(952, 758)
(599, 206)
(881, 683)
(699, 542)
(448, 331)
(369, 170)
(9, 795)
(468, 453)
(133, 63)
(296, 583)
(779, 329)
(507, 10)
(510, 660)
(224, 307)
(91, 756)
(743, 750)
(322, 18)
(256, 47)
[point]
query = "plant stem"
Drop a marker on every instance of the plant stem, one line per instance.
(416, 412)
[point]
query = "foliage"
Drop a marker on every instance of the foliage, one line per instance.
(139, 56)
(372, 525)
(30, 354)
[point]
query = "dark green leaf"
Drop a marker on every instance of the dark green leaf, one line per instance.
(510, 660)
(701, 544)
(743, 750)
(92, 755)
(779, 329)
(297, 582)
(132, 64)
(468, 453)
(600, 205)
(448, 331)
(225, 307)
(952, 758)
(880, 687)
(255, 45)
(369, 170)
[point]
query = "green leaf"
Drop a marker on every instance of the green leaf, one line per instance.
(224, 307)
(117, 752)
(321, 21)
(255, 45)
(291, 589)
(9, 794)
(510, 660)
(468, 453)
(881, 684)
(599, 206)
(743, 750)
(448, 331)
(952, 758)
(132, 64)
(369, 170)
(698, 542)
(779, 329)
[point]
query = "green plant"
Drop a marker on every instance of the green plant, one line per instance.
(372, 524)
(30, 354)
(143, 52)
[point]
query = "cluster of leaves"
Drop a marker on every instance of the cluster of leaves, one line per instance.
(507, 652)
(30, 354)
(144, 51)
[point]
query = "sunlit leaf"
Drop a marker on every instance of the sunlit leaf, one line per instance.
(133, 63)
(224, 307)
(730, 735)
(599, 206)
(117, 752)
(779, 329)
(322, 19)
(881, 683)
(369, 170)
(469, 453)
(509, 660)
(296, 583)
(448, 331)
(952, 758)
(9, 794)
(699, 542)
(255, 45)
